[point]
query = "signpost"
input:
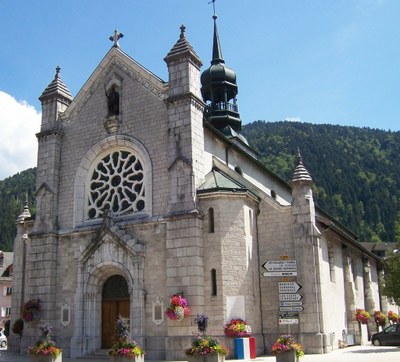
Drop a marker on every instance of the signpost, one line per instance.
(291, 309)
(280, 273)
(289, 297)
(288, 321)
(289, 300)
(280, 265)
(288, 287)
(290, 304)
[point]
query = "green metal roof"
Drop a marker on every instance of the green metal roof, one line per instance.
(217, 181)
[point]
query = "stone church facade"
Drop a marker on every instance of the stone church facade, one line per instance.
(146, 188)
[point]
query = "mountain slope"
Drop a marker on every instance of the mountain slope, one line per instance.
(13, 191)
(356, 171)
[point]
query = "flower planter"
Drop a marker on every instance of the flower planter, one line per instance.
(210, 357)
(45, 358)
(127, 359)
(289, 356)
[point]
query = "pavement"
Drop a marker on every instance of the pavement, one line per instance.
(366, 353)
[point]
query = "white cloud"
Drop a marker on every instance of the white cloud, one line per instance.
(293, 119)
(19, 122)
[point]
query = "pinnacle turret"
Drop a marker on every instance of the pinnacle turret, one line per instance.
(56, 88)
(300, 173)
(25, 213)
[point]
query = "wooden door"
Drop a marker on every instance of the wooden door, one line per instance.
(111, 309)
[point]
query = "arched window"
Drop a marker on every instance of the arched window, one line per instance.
(115, 175)
(213, 282)
(210, 220)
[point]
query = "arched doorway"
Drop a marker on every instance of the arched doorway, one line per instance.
(115, 302)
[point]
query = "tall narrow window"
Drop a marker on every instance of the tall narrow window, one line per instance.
(210, 220)
(213, 282)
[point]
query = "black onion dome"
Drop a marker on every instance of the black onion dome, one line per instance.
(221, 79)
(218, 79)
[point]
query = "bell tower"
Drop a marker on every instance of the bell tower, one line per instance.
(219, 90)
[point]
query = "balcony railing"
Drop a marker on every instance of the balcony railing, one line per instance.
(222, 106)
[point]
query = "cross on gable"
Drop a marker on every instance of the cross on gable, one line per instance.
(117, 35)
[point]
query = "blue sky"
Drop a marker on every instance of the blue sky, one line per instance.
(317, 61)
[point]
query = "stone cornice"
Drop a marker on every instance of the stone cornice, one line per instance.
(186, 98)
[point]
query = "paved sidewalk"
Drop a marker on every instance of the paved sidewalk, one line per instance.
(350, 354)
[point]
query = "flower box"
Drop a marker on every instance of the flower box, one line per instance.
(287, 350)
(209, 357)
(125, 348)
(289, 356)
(127, 359)
(45, 358)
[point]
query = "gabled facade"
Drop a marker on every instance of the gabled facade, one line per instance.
(145, 189)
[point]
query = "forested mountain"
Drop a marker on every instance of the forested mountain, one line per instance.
(356, 171)
(13, 191)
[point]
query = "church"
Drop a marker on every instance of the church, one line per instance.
(146, 189)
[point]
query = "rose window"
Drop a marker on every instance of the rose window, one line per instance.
(117, 185)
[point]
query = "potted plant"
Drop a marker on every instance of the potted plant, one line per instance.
(237, 328)
(18, 326)
(244, 343)
(30, 310)
(45, 349)
(362, 316)
(125, 349)
(380, 318)
(287, 350)
(178, 308)
(393, 317)
(205, 348)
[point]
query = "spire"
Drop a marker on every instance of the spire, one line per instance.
(25, 213)
(300, 173)
(219, 90)
(217, 53)
(56, 88)
(183, 49)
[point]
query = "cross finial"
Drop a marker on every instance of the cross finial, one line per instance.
(58, 71)
(213, 2)
(117, 35)
(183, 28)
(298, 157)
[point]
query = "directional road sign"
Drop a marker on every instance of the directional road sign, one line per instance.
(280, 265)
(288, 321)
(290, 304)
(280, 274)
(290, 297)
(288, 287)
(291, 309)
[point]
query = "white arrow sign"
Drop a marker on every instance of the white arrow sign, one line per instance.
(280, 274)
(289, 297)
(288, 321)
(280, 265)
(288, 287)
(290, 304)
(291, 309)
